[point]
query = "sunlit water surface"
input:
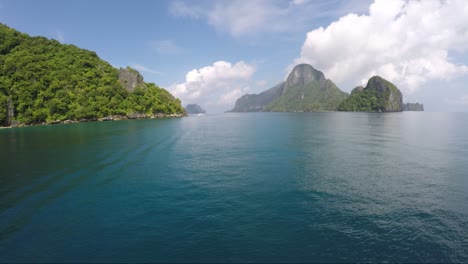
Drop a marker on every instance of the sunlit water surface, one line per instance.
(264, 187)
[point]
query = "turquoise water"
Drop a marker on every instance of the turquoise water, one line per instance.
(264, 187)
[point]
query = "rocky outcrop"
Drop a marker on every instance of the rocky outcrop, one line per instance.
(130, 79)
(194, 109)
(258, 102)
(137, 115)
(305, 89)
(15, 123)
(51, 83)
(393, 99)
(144, 116)
(379, 95)
(413, 107)
(357, 89)
(302, 75)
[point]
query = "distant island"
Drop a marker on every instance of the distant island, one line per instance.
(45, 82)
(413, 107)
(194, 109)
(306, 89)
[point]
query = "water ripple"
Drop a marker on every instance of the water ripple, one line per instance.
(265, 187)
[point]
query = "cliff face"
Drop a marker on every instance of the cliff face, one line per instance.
(130, 78)
(357, 89)
(258, 102)
(379, 95)
(305, 89)
(393, 99)
(413, 107)
(302, 75)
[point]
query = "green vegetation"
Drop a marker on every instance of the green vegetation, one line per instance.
(315, 96)
(305, 90)
(48, 81)
(379, 95)
(3, 108)
(364, 101)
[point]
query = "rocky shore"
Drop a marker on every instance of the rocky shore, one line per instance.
(15, 123)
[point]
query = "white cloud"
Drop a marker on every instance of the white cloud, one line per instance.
(142, 68)
(165, 47)
(407, 42)
(240, 17)
(215, 86)
(464, 99)
(230, 97)
(181, 9)
(299, 2)
(246, 17)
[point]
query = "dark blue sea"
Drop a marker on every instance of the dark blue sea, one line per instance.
(260, 187)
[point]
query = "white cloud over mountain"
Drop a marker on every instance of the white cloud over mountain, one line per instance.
(406, 42)
(215, 86)
(418, 45)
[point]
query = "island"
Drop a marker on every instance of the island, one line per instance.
(306, 89)
(413, 107)
(379, 95)
(45, 82)
(194, 109)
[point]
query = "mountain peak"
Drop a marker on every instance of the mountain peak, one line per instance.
(303, 74)
(305, 89)
(380, 84)
(379, 95)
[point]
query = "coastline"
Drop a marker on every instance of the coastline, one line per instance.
(102, 119)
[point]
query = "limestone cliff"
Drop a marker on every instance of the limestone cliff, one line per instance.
(258, 102)
(357, 89)
(130, 79)
(379, 95)
(305, 89)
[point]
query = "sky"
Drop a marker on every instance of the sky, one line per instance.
(212, 52)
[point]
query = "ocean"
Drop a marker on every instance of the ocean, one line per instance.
(238, 187)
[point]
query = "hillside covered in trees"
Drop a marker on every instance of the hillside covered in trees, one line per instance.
(379, 95)
(42, 80)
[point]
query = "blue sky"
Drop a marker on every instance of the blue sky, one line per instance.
(211, 52)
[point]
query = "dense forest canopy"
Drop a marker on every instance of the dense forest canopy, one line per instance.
(42, 80)
(379, 95)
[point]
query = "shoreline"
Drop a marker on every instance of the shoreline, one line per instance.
(102, 119)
